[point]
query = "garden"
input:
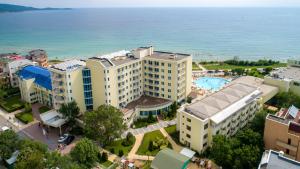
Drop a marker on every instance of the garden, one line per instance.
(44, 109)
(26, 116)
(152, 143)
(171, 130)
(122, 146)
(12, 103)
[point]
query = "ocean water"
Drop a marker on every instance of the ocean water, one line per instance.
(207, 33)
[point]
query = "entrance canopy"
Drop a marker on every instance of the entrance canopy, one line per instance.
(187, 152)
(53, 118)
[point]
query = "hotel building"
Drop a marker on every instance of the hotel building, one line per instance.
(141, 80)
(286, 79)
(223, 112)
(35, 85)
(40, 56)
(286, 123)
(9, 65)
(68, 84)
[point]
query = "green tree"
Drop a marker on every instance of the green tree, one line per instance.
(104, 124)
(221, 151)
(9, 143)
(258, 123)
(173, 110)
(56, 160)
(85, 152)
(249, 137)
(121, 153)
(70, 111)
(150, 118)
(30, 158)
(104, 156)
(246, 156)
(27, 107)
(33, 145)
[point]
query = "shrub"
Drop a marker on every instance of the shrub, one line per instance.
(112, 150)
(24, 117)
(104, 156)
(189, 100)
(121, 153)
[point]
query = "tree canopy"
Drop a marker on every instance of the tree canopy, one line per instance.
(9, 143)
(104, 124)
(70, 111)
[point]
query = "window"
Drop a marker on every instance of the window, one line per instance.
(289, 141)
(169, 71)
(188, 119)
(188, 128)
(205, 136)
(205, 126)
(188, 136)
(169, 64)
(205, 144)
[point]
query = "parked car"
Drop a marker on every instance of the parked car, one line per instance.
(66, 139)
(4, 128)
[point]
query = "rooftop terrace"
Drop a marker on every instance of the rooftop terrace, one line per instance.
(168, 55)
(68, 65)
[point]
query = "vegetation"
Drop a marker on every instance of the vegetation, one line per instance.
(195, 66)
(241, 64)
(285, 99)
(70, 111)
(189, 99)
(44, 109)
(124, 145)
(7, 91)
(243, 150)
(85, 153)
(143, 122)
(25, 116)
(152, 143)
(9, 143)
(171, 130)
(104, 124)
(56, 160)
(11, 104)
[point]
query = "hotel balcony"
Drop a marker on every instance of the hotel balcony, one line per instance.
(59, 90)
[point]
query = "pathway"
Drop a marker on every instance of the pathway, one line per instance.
(202, 67)
(132, 154)
(175, 146)
(156, 126)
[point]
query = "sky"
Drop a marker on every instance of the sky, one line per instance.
(154, 3)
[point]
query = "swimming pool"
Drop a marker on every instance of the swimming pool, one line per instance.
(211, 83)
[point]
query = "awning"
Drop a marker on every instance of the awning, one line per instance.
(187, 152)
(53, 118)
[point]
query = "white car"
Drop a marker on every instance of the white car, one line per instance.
(4, 128)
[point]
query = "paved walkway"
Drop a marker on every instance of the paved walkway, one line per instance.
(132, 154)
(202, 67)
(156, 126)
(175, 146)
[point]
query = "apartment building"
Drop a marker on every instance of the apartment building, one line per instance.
(286, 79)
(286, 123)
(40, 56)
(223, 112)
(9, 65)
(277, 160)
(35, 85)
(68, 83)
(142, 74)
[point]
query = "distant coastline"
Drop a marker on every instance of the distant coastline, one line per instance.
(19, 8)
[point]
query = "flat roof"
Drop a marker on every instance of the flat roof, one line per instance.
(216, 102)
(69, 65)
(168, 55)
(289, 73)
(169, 159)
(115, 58)
(274, 160)
(148, 101)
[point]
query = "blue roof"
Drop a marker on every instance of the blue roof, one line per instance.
(41, 75)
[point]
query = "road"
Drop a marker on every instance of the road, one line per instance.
(4, 122)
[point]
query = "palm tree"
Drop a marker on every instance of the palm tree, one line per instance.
(70, 111)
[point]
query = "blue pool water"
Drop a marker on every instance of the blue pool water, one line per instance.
(211, 83)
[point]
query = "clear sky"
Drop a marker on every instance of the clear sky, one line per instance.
(154, 3)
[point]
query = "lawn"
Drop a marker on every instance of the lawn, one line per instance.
(116, 146)
(148, 137)
(195, 66)
(171, 130)
(44, 109)
(12, 103)
(139, 123)
(25, 117)
(227, 66)
(106, 163)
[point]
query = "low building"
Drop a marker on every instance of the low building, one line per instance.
(286, 79)
(286, 137)
(169, 159)
(35, 85)
(40, 56)
(277, 160)
(9, 65)
(223, 112)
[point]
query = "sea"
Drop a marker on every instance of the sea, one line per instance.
(206, 33)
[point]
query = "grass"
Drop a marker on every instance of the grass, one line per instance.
(151, 136)
(44, 109)
(106, 163)
(139, 123)
(25, 117)
(12, 103)
(116, 146)
(171, 130)
(195, 66)
(227, 67)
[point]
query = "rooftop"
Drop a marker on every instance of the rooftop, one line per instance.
(168, 55)
(216, 102)
(115, 58)
(148, 101)
(69, 65)
(41, 75)
(168, 158)
(8, 57)
(289, 73)
(275, 160)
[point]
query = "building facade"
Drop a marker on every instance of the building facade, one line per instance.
(223, 112)
(287, 136)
